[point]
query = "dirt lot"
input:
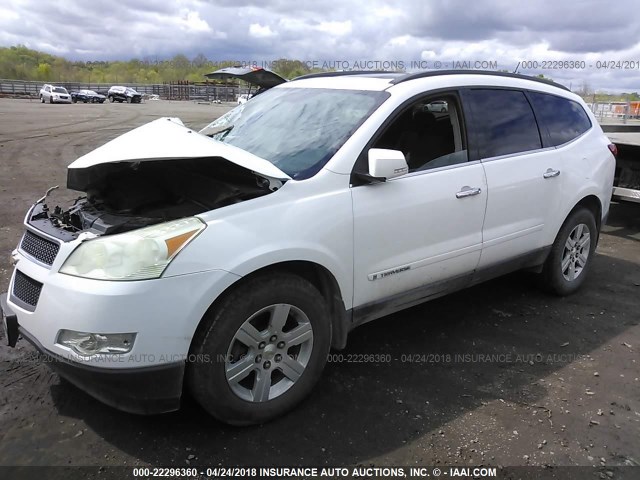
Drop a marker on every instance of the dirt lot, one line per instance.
(501, 374)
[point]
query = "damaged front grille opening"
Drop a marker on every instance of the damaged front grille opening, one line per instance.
(129, 195)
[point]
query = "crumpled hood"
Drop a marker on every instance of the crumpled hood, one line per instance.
(168, 139)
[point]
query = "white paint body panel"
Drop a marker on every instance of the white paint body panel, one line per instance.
(416, 221)
(168, 139)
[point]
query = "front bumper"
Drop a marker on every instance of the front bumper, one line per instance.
(147, 390)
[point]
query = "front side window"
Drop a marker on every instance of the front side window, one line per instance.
(296, 129)
(429, 133)
(505, 123)
(563, 118)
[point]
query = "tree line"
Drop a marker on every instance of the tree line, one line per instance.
(22, 63)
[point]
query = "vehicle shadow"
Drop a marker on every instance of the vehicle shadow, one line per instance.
(365, 409)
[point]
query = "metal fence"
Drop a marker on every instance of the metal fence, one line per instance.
(168, 91)
(616, 110)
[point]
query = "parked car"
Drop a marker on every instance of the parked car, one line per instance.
(242, 98)
(439, 106)
(123, 94)
(54, 94)
(87, 96)
(229, 261)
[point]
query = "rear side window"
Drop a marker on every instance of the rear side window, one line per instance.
(563, 118)
(505, 122)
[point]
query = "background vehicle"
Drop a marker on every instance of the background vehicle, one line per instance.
(87, 96)
(627, 180)
(439, 106)
(53, 94)
(123, 94)
(258, 78)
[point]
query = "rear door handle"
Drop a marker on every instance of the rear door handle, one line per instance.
(468, 192)
(550, 173)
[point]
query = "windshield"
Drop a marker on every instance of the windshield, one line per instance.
(296, 129)
(131, 91)
(59, 90)
(90, 92)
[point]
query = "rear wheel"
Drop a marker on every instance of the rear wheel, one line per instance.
(266, 344)
(571, 254)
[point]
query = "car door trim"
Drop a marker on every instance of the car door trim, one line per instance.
(423, 262)
(380, 308)
(512, 236)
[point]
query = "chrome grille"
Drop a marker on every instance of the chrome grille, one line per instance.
(26, 289)
(39, 248)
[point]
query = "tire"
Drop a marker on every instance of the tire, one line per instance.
(128, 99)
(254, 305)
(574, 247)
(110, 98)
(74, 100)
(41, 99)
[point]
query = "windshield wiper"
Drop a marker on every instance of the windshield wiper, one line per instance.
(217, 131)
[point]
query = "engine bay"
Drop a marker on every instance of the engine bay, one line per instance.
(124, 196)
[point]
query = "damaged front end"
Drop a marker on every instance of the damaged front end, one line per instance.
(159, 172)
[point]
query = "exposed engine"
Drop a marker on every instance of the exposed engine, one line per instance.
(128, 195)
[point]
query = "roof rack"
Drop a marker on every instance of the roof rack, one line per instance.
(435, 73)
(344, 73)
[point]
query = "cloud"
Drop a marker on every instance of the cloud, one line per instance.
(260, 31)
(507, 31)
(335, 28)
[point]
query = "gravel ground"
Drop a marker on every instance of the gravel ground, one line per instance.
(500, 374)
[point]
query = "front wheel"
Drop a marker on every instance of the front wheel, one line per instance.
(572, 253)
(261, 350)
(111, 98)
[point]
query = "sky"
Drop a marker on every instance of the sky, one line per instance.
(417, 33)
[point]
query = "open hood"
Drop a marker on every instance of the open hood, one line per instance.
(253, 75)
(166, 139)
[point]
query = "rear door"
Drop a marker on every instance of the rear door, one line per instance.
(523, 177)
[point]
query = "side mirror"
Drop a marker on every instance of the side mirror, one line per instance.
(387, 164)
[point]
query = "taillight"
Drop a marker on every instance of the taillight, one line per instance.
(614, 149)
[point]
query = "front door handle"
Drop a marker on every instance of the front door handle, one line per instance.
(468, 192)
(550, 173)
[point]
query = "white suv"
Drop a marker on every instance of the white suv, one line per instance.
(53, 94)
(231, 260)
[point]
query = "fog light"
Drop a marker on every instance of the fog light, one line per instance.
(85, 343)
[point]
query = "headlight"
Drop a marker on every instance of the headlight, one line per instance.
(92, 343)
(138, 255)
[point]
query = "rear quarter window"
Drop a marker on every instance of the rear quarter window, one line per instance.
(564, 119)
